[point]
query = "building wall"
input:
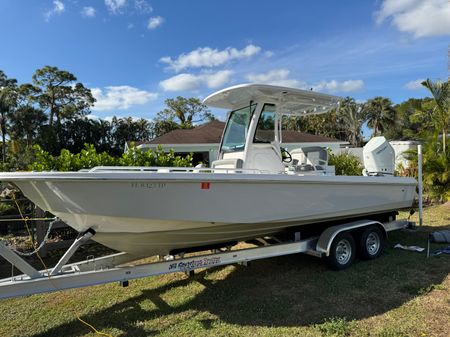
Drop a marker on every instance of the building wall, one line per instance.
(400, 147)
(333, 146)
(356, 151)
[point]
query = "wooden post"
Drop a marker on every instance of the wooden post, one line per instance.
(41, 229)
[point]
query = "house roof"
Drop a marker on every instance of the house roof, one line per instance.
(211, 133)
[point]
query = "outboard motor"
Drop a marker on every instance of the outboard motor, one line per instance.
(379, 157)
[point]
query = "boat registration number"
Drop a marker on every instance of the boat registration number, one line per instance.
(148, 185)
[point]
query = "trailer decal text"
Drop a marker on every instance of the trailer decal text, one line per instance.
(194, 264)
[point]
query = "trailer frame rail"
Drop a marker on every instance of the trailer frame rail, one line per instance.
(119, 268)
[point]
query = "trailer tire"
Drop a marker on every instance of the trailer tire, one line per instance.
(371, 242)
(342, 251)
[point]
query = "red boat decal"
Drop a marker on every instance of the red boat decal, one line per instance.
(205, 185)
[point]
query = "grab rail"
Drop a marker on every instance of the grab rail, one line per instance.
(173, 169)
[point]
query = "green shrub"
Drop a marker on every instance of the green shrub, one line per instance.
(89, 158)
(157, 157)
(7, 208)
(435, 167)
(346, 164)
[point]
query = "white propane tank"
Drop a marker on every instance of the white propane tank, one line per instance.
(379, 157)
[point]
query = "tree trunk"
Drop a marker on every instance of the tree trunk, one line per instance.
(29, 138)
(444, 136)
(3, 127)
(52, 106)
(52, 115)
(375, 130)
(3, 148)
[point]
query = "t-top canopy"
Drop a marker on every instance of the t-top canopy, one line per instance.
(289, 100)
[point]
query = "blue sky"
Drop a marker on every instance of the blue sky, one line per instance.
(135, 54)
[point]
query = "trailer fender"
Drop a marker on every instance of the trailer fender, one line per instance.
(326, 238)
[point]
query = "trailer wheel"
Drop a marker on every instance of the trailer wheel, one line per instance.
(371, 243)
(342, 251)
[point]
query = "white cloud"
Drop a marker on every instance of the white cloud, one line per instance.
(93, 117)
(154, 22)
(191, 82)
(58, 8)
(336, 86)
(181, 82)
(120, 97)
(130, 7)
(282, 77)
(275, 77)
(115, 6)
(415, 85)
(217, 79)
(88, 12)
(110, 118)
(208, 57)
(421, 18)
(143, 7)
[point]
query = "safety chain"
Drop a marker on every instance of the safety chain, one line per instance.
(40, 245)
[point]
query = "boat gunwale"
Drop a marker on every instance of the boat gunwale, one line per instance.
(187, 177)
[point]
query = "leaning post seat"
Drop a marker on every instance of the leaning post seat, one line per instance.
(229, 163)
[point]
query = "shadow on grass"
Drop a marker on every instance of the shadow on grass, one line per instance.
(288, 291)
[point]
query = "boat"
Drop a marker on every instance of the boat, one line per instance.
(254, 189)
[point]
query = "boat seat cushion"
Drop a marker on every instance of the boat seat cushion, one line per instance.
(229, 163)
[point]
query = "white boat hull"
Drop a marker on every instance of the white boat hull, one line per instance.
(145, 213)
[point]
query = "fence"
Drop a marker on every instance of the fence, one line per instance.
(39, 228)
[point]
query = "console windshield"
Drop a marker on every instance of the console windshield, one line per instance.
(236, 130)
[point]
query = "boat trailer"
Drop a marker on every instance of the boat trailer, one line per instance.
(117, 267)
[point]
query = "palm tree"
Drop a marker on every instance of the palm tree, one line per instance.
(380, 113)
(352, 117)
(441, 113)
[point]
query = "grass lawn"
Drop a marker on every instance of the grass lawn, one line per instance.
(400, 294)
